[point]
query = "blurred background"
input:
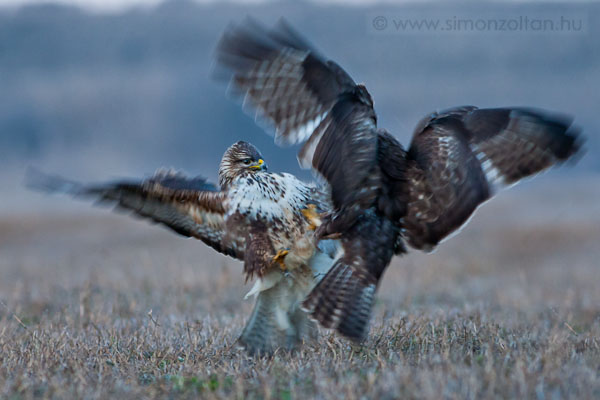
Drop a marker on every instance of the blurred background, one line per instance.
(100, 89)
(95, 90)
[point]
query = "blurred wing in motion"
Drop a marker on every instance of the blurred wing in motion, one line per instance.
(281, 78)
(191, 207)
(344, 298)
(460, 157)
(305, 98)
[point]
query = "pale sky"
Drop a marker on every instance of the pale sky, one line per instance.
(105, 5)
(111, 6)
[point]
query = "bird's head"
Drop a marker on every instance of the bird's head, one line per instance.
(240, 158)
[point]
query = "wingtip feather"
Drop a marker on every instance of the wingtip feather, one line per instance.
(42, 182)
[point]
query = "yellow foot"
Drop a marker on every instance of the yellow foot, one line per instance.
(280, 258)
(313, 218)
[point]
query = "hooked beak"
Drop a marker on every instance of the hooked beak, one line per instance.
(260, 164)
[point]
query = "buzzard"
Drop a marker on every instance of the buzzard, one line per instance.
(383, 195)
(255, 216)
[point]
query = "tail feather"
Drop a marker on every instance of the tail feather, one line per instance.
(343, 301)
(306, 328)
(262, 334)
(277, 322)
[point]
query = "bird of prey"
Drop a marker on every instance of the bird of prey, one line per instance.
(255, 216)
(384, 196)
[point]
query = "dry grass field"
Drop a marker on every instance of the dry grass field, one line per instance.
(99, 305)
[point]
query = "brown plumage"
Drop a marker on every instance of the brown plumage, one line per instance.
(255, 216)
(382, 194)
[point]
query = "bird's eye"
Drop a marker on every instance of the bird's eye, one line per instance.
(246, 161)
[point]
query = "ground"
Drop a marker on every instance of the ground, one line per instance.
(99, 305)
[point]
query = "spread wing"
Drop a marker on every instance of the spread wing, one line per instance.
(456, 161)
(191, 207)
(460, 157)
(305, 97)
(285, 82)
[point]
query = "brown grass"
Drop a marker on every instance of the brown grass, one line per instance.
(508, 309)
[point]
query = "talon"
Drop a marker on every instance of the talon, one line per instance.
(280, 258)
(313, 218)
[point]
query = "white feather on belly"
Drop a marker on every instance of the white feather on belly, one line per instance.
(268, 196)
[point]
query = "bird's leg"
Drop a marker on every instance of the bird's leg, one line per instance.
(311, 215)
(329, 227)
(280, 258)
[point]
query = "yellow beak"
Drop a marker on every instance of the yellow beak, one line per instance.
(259, 164)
